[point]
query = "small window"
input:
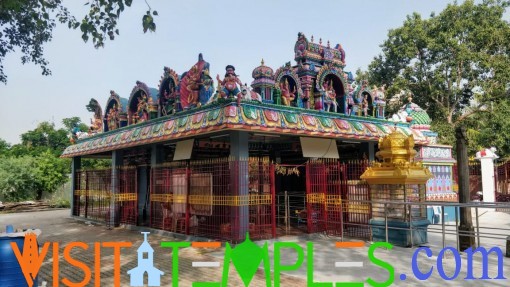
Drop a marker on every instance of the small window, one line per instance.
(145, 255)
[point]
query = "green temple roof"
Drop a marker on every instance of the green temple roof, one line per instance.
(420, 118)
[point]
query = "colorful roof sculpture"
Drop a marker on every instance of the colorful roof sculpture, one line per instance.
(308, 51)
(293, 99)
(262, 71)
(248, 116)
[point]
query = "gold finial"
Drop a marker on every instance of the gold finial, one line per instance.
(396, 148)
(262, 62)
(398, 166)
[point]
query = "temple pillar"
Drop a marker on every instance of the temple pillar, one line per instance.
(371, 151)
(143, 183)
(75, 166)
(144, 178)
(306, 85)
(486, 158)
(239, 184)
(117, 162)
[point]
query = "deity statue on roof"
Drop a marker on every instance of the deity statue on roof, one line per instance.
(113, 118)
(277, 94)
(206, 88)
(364, 105)
(168, 102)
(96, 123)
(229, 83)
(349, 99)
(142, 109)
(329, 96)
(191, 84)
(379, 100)
(288, 95)
(305, 99)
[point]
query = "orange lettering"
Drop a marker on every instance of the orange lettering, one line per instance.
(31, 261)
(76, 263)
(97, 264)
(55, 265)
(116, 258)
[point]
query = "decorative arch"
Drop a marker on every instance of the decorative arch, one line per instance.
(115, 114)
(360, 93)
(287, 71)
(336, 76)
(143, 103)
(170, 79)
(168, 86)
(325, 71)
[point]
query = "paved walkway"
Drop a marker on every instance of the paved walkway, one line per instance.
(57, 227)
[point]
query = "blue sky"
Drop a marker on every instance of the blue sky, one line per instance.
(240, 33)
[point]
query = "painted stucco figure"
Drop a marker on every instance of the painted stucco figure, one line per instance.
(192, 83)
(288, 95)
(329, 96)
(229, 83)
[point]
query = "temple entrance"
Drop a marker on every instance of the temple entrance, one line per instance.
(291, 213)
(323, 196)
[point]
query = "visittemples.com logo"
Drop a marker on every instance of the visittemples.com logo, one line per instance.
(246, 258)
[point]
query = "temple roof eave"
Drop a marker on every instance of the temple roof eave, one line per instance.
(248, 116)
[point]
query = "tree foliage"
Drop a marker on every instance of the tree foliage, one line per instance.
(17, 178)
(27, 177)
(28, 24)
(456, 64)
(45, 137)
(50, 173)
(70, 123)
(33, 167)
(494, 129)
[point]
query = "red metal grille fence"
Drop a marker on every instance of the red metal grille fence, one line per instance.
(502, 178)
(202, 198)
(92, 194)
(92, 197)
(336, 198)
(126, 199)
(355, 195)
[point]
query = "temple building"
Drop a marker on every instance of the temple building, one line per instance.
(217, 158)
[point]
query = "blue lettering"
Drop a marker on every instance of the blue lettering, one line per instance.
(416, 270)
(440, 268)
(485, 262)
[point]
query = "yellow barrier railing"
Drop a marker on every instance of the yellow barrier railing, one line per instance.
(217, 200)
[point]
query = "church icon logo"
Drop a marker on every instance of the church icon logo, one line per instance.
(145, 266)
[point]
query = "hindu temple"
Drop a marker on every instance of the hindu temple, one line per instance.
(210, 156)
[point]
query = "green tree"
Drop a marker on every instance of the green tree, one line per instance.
(50, 173)
(4, 148)
(17, 178)
(28, 24)
(494, 130)
(44, 137)
(72, 122)
(27, 177)
(456, 64)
